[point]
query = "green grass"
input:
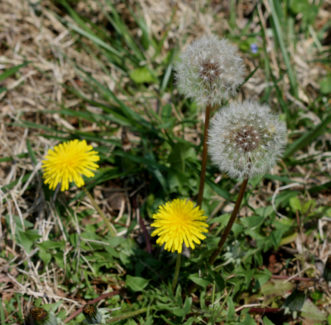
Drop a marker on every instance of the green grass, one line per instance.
(162, 162)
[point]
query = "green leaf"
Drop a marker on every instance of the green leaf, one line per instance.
(308, 137)
(220, 191)
(49, 244)
(299, 6)
(44, 256)
(198, 280)
(180, 152)
(191, 321)
(187, 305)
(288, 239)
(295, 300)
(310, 311)
(248, 320)
(276, 287)
(231, 310)
(262, 276)
(220, 283)
(325, 85)
(141, 75)
(59, 259)
(295, 204)
(27, 238)
(136, 283)
(178, 311)
(308, 206)
(252, 222)
(267, 321)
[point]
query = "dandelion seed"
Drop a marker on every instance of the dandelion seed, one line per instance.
(209, 70)
(68, 162)
(251, 140)
(179, 222)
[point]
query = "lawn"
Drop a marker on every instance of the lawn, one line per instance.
(109, 80)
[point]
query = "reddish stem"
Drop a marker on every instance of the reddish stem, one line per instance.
(143, 227)
(204, 155)
(231, 221)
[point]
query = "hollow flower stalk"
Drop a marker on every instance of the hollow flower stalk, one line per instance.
(209, 70)
(246, 139)
(69, 162)
(179, 222)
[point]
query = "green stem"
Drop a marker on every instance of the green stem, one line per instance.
(128, 315)
(231, 221)
(102, 215)
(177, 268)
(204, 155)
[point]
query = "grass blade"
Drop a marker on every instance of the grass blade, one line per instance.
(9, 72)
(308, 137)
(276, 14)
(122, 30)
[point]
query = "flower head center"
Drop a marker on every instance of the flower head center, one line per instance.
(69, 160)
(180, 219)
(209, 71)
(247, 138)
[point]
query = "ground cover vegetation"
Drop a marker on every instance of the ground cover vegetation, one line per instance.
(99, 79)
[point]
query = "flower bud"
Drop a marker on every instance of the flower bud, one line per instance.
(92, 314)
(39, 316)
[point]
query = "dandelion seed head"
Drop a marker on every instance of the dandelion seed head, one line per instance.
(179, 222)
(257, 142)
(209, 70)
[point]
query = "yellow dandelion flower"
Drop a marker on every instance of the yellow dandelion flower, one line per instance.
(178, 222)
(68, 162)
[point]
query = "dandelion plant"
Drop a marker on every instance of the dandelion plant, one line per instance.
(176, 223)
(210, 70)
(245, 140)
(68, 162)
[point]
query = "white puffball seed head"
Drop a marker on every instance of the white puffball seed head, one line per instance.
(209, 70)
(246, 139)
